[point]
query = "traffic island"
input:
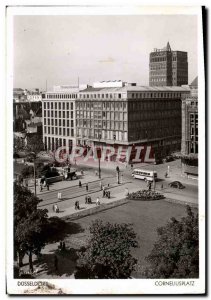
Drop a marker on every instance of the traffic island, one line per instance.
(145, 195)
(93, 210)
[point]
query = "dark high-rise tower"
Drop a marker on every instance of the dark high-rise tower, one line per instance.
(167, 67)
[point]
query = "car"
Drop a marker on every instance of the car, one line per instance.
(177, 184)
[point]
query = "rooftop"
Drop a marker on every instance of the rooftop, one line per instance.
(126, 89)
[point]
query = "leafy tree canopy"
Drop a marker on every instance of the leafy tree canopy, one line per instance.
(108, 253)
(29, 222)
(176, 252)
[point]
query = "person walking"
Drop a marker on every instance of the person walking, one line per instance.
(76, 206)
(86, 200)
(56, 263)
(41, 187)
(87, 187)
(98, 201)
(47, 185)
(79, 184)
(103, 191)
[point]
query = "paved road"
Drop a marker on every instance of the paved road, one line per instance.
(71, 194)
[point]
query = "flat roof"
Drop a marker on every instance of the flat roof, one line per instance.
(126, 89)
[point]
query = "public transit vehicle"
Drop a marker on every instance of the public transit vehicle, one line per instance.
(146, 175)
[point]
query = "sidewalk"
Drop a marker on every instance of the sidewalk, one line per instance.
(88, 177)
(87, 209)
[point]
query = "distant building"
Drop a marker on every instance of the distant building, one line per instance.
(167, 67)
(190, 130)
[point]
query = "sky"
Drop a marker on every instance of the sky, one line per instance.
(61, 49)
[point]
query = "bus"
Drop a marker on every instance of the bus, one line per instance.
(146, 175)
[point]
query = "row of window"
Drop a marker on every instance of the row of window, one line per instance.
(53, 143)
(59, 122)
(59, 131)
(148, 105)
(58, 105)
(104, 134)
(119, 125)
(61, 96)
(100, 96)
(58, 114)
(104, 114)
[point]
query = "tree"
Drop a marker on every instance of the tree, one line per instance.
(34, 146)
(176, 253)
(108, 253)
(29, 224)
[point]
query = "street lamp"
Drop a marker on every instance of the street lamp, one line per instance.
(99, 157)
(35, 185)
(118, 171)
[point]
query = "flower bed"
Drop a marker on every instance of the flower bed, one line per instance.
(145, 195)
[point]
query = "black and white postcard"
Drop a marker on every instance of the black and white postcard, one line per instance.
(105, 150)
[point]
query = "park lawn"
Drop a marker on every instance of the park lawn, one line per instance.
(146, 217)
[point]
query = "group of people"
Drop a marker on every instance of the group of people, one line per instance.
(62, 246)
(106, 193)
(80, 185)
(43, 184)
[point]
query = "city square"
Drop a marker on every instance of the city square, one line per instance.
(106, 170)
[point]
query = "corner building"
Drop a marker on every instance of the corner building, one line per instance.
(130, 115)
(190, 131)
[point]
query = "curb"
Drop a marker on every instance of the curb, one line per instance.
(194, 205)
(94, 210)
(65, 188)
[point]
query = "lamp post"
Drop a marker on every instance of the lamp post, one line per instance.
(99, 157)
(35, 185)
(118, 171)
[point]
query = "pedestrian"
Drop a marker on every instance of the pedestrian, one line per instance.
(79, 183)
(86, 200)
(60, 246)
(103, 191)
(161, 186)
(166, 175)
(76, 206)
(63, 246)
(108, 185)
(56, 208)
(150, 185)
(56, 263)
(98, 201)
(41, 188)
(87, 187)
(47, 185)
(53, 207)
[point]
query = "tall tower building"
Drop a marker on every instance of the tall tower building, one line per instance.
(167, 67)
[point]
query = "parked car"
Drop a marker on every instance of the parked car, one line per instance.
(177, 184)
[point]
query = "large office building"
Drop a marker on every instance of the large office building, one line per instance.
(121, 115)
(190, 130)
(58, 110)
(167, 67)
(130, 115)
